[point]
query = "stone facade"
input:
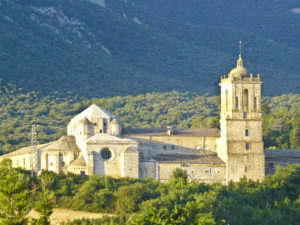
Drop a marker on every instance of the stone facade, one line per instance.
(241, 145)
(96, 143)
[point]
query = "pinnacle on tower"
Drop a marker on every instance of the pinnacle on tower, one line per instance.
(240, 60)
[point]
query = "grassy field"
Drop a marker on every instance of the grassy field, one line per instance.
(63, 215)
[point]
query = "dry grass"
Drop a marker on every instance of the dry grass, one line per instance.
(63, 215)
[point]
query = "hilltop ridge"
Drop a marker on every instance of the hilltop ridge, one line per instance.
(98, 48)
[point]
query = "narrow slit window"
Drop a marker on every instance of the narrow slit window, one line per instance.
(236, 103)
(246, 132)
(254, 103)
(247, 146)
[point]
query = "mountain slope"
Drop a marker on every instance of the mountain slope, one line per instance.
(106, 48)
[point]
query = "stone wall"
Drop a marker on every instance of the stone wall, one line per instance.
(79, 170)
(147, 169)
(21, 161)
(113, 165)
(151, 145)
(130, 163)
(249, 165)
(56, 160)
(206, 173)
(281, 157)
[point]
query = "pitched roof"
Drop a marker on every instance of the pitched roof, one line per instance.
(65, 143)
(282, 153)
(78, 162)
(176, 132)
(94, 111)
(131, 149)
(190, 159)
(109, 139)
(25, 150)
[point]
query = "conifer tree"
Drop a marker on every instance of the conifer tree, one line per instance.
(45, 201)
(14, 195)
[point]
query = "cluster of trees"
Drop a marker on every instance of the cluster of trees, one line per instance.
(21, 191)
(19, 110)
(281, 122)
(146, 201)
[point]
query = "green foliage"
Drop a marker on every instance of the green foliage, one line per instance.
(129, 197)
(146, 201)
(93, 196)
(256, 203)
(281, 125)
(14, 194)
(206, 122)
(45, 200)
(105, 220)
(73, 46)
(18, 111)
(179, 176)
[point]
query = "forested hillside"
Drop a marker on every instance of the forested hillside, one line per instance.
(97, 48)
(147, 201)
(19, 110)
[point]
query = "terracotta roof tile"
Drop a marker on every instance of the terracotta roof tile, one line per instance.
(191, 159)
(282, 153)
(176, 132)
(65, 143)
(78, 162)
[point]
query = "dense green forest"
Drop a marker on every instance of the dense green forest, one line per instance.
(133, 47)
(146, 201)
(19, 110)
(58, 57)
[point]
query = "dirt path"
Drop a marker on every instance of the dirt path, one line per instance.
(63, 215)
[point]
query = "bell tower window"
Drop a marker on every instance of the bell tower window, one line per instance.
(226, 100)
(246, 101)
(254, 103)
(236, 103)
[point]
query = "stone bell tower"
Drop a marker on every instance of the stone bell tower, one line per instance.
(241, 145)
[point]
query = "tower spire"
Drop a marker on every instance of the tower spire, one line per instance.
(240, 62)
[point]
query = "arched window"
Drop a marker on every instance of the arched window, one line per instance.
(254, 103)
(245, 100)
(226, 100)
(236, 103)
